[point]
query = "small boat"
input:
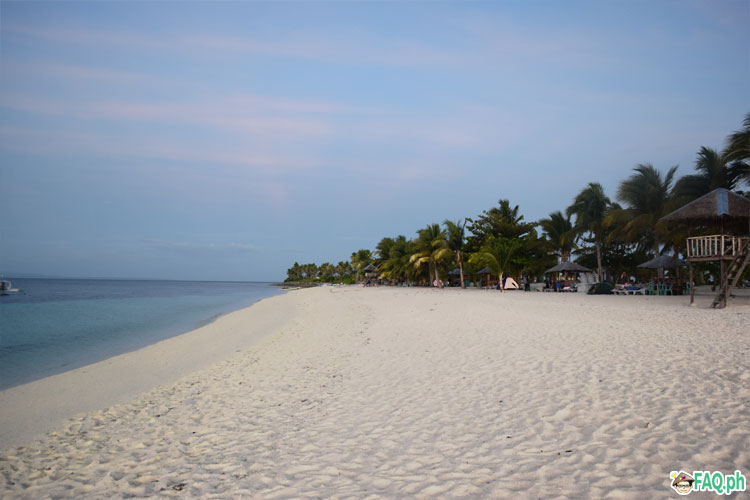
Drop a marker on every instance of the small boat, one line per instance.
(6, 287)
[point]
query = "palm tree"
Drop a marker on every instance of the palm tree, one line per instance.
(496, 253)
(714, 172)
(738, 151)
(430, 249)
(361, 259)
(502, 220)
(456, 239)
(396, 264)
(561, 234)
(343, 269)
(382, 250)
(647, 197)
(590, 207)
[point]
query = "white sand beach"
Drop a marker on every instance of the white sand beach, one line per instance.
(368, 393)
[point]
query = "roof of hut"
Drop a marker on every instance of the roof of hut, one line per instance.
(719, 207)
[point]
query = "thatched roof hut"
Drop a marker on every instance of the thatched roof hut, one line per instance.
(719, 208)
(729, 212)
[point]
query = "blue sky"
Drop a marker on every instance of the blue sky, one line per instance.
(227, 140)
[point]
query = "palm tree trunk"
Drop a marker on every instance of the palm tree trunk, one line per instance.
(659, 271)
(599, 261)
(500, 283)
(460, 269)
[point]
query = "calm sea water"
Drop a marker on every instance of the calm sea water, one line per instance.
(55, 325)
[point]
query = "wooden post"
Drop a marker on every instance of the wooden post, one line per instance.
(692, 286)
(723, 280)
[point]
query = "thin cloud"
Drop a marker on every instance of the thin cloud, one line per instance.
(354, 48)
(186, 247)
(53, 142)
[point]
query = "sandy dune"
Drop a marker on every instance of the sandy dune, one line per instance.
(419, 393)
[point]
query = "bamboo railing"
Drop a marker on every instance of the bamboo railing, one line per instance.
(716, 246)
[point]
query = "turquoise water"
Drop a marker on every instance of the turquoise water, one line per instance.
(57, 325)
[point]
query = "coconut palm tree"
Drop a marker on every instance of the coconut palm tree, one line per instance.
(456, 240)
(561, 234)
(737, 151)
(713, 172)
(361, 259)
(502, 220)
(430, 248)
(382, 251)
(646, 195)
(343, 269)
(396, 264)
(590, 207)
(496, 253)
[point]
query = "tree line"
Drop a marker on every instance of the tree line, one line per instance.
(606, 235)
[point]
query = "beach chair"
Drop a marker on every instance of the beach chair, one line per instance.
(668, 290)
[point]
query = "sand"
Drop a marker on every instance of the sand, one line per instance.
(374, 393)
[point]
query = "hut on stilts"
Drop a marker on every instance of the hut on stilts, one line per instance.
(730, 213)
(371, 275)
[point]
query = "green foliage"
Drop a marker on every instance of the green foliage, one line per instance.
(590, 207)
(713, 172)
(737, 152)
(360, 260)
(431, 248)
(612, 236)
(560, 233)
(394, 259)
(497, 253)
(502, 220)
(646, 195)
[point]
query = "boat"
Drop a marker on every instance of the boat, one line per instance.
(6, 287)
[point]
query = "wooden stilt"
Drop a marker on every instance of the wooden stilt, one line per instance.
(692, 286)
(723, 282)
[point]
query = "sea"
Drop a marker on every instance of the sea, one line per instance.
(55, 325)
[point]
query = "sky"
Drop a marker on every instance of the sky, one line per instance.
(228, 140)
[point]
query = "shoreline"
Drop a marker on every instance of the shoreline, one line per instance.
(33, 408)
(141, 340)
(422, 393)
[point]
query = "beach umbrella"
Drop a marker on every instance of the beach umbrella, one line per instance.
(568, 267)
(663, 262)
(455, 272)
